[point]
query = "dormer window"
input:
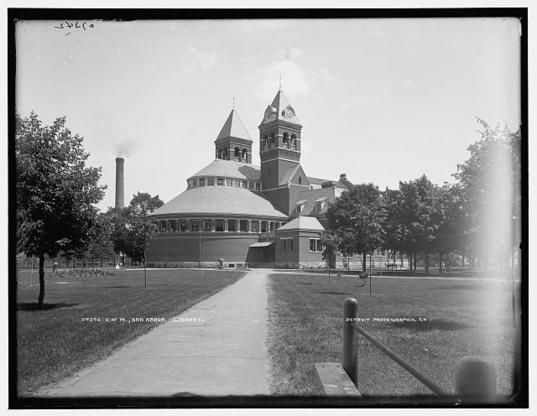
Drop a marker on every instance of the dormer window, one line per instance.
(319, 204)
(300, 206)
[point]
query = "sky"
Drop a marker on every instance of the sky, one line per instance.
(382, 100)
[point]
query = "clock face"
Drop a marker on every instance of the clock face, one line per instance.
(288, 112)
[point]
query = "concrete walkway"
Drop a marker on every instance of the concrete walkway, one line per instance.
(224, 354)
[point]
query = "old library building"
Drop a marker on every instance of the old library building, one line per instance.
(271, 215)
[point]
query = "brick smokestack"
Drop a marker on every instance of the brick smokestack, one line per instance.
(120, 183)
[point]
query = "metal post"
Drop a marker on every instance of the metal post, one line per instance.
(145, 272)
(370, 274)
(199, 240)
(350, 353)
(475, 379)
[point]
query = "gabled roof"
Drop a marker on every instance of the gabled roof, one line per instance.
(219, 200)
(231, 169)
(233, 127)
(318, 182)
(280, 109)
(310, 197)
(302, 223)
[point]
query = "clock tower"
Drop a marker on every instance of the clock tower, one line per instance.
(279, 150)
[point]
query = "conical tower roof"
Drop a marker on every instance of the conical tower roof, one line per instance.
(280, 109)
(233, 127)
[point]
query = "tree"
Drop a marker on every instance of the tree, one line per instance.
(143, 203)
(100, 245)
(491, 192)
(330, 242)
(55, 191)
(132, 229)
(357, 217)
(414, 217)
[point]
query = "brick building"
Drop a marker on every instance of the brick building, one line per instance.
(268, 215)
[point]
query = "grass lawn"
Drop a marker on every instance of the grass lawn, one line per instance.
(56, 342)
(463, 317)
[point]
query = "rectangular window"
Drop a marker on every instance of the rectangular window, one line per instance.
(220, 181)
(207, 225)
(277, 225)
(287, 244)
(237, 183)
(318, 206)
(183, 226)
(255, 226)
(232, 225)
(195, 225)
(244, 226)
(194, 183)
(219, 225)
(210, 181)
(315, 245)
(244, 184)
(163, 226)
(202, 181)
(229, 182)
(251, 185)
(190, 184)
(173, 225)
(271, 226)
(257, 186)
(264, 226)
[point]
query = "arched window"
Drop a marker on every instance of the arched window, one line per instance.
(244, 154)
(286, 140)
(271, 144)
(293, 141)
(300, 180)
(237, 152)
(226, 154)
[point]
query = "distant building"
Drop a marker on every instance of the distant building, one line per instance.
(268, 215)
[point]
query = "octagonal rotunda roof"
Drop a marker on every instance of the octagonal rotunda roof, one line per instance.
(230, 169)
(219, 200)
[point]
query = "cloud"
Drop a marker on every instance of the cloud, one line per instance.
(408, 83)
(289, 54)
(326, 76)
(293, 75)
(344, 106)
(199, 59)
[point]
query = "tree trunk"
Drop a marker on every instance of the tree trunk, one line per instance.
(41, 279)
(364, 261)
(441, 258)
(415, 261)
(426, 262)
(462, 261)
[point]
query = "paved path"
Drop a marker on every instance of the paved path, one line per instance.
(223, 355)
